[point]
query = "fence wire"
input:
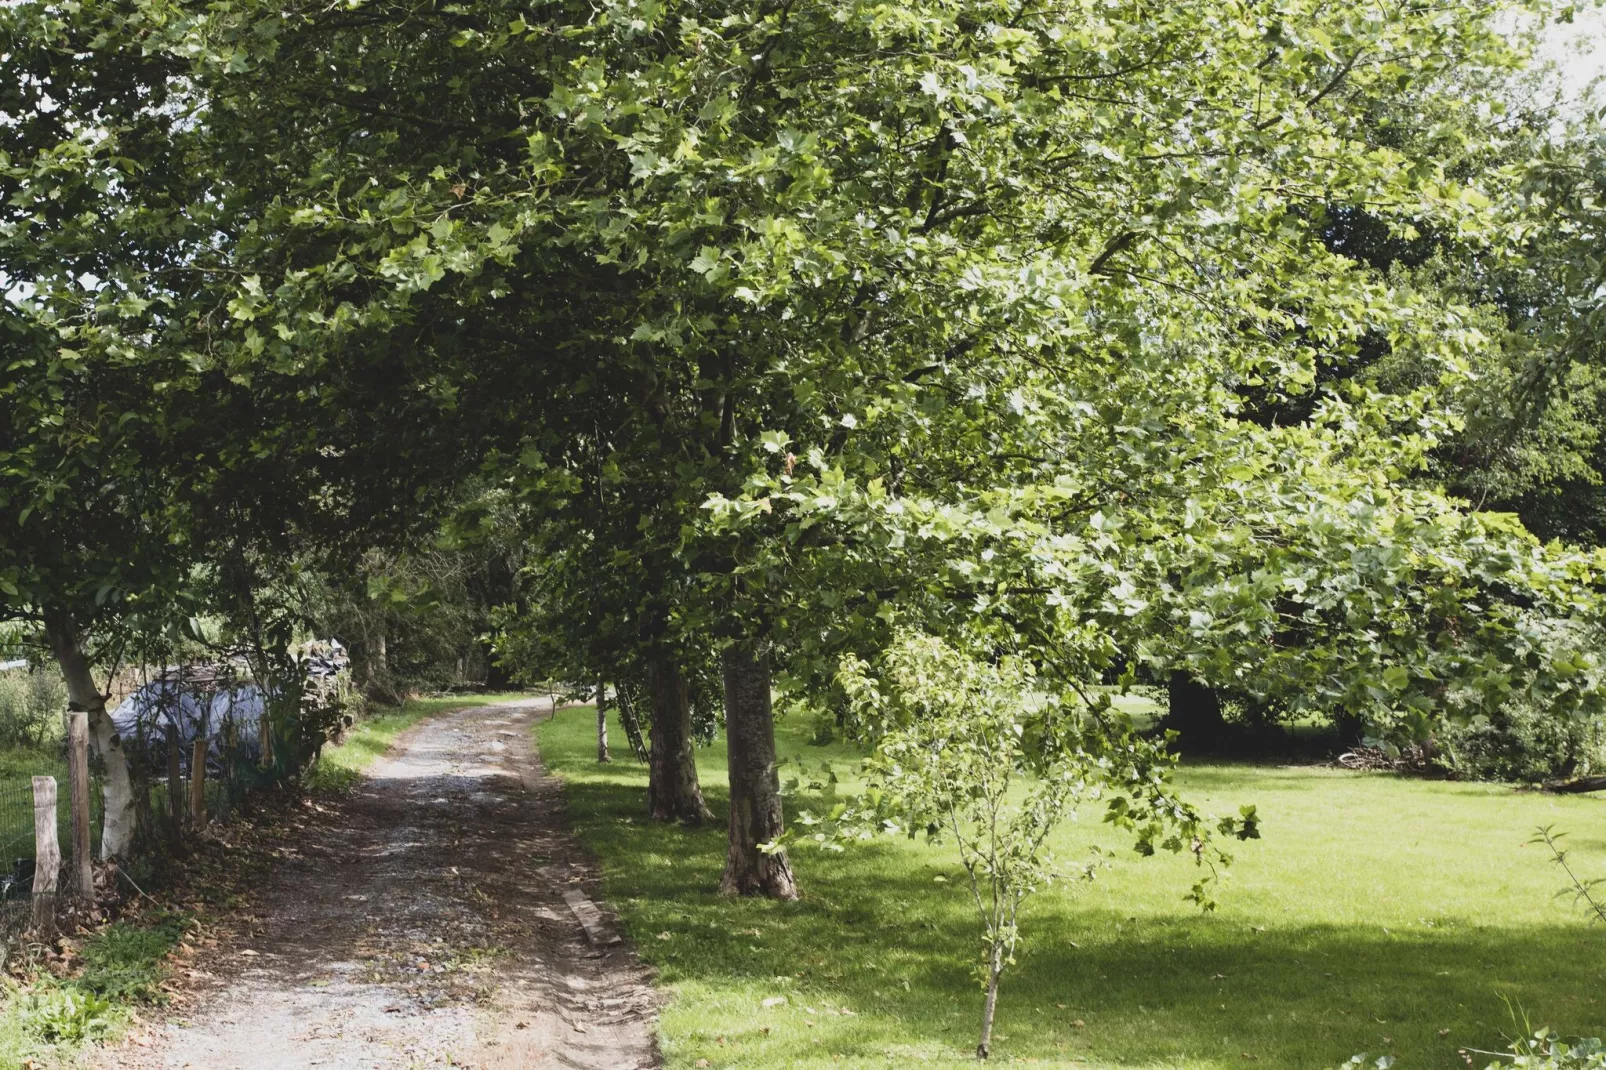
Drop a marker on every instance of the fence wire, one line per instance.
(17, 838)
(174, 713)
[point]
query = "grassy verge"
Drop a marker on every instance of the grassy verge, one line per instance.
(49, 1021)
(340, 765)
(1378, 914)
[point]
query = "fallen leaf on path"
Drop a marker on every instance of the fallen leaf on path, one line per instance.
(773, 1001)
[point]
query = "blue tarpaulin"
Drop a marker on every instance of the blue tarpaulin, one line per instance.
(193, 710)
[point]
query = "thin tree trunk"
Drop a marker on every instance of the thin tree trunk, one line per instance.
(117, 835)
(602, 722)
(755, 813)
(673, 793)
(995, 967)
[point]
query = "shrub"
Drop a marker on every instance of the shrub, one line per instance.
(31, 704)
(975, 753)
(1523, 743)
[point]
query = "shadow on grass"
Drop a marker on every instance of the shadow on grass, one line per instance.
(875, 962)
(1191, 990)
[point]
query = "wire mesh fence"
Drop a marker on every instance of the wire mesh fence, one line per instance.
(198, 739)
(229, 770)
(17, 837)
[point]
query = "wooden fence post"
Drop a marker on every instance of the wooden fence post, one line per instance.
(83, 874)
(198, 782)
(230, 756)
(46, 855)
(265, 737)
(175, 789)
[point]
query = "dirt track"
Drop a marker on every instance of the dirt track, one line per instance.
(423, 923)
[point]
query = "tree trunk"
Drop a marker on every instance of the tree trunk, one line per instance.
(673, 793)
(1194, 712)
(602, 722)
(117, 836)
(377, 682)
(497, 678)
(995, 967)
(1351, 729)
(755, 810)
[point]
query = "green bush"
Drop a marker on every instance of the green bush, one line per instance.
(31, 704)
(1523, 743)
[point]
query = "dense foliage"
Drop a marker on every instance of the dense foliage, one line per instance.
(763, 333)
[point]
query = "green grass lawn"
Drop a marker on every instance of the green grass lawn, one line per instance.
(340, 764)
(1378, 914)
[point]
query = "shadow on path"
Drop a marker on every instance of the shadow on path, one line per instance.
(421, 922)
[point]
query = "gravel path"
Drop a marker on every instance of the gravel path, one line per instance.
(424, 923)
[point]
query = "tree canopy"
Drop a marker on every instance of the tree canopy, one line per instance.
(775, 331)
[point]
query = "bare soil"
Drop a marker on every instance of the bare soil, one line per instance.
(422, 922)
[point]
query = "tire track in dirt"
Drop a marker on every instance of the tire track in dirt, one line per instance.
(423, 923)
